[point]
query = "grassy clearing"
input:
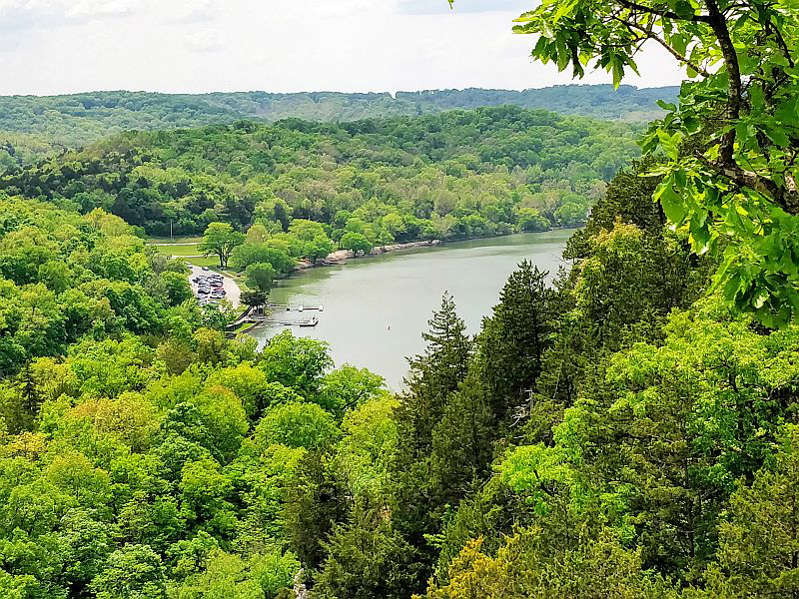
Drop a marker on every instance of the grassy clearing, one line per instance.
(176, 240)
(184, 250)
(178, 250)
(211, 261)
(187, 249)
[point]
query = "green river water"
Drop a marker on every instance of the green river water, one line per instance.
(375, 309)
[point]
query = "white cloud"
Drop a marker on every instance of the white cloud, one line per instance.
(273, 45)
(22, 14)
(434, 7)
(208, 40)
(190, 11)
(18, 16)
(101, 8)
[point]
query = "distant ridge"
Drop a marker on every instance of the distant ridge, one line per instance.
(33, 126)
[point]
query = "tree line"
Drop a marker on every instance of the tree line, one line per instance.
(455, 175)
(32, 127)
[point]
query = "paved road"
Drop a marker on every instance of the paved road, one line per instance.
(232, 290)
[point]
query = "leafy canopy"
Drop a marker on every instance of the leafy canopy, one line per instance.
(728, 150)
(220, 239)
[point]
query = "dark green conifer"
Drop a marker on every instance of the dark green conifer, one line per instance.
(514, 339)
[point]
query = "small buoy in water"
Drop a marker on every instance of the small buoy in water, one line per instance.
(388, 328)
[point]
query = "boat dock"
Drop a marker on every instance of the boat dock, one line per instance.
(308, 322)
(300, 308)
(254, 318)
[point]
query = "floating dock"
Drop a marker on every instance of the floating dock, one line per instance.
(309, 322)
(300, 308)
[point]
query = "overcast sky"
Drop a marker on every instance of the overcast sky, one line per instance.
(64, 46)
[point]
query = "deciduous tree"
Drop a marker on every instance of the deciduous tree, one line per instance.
(220, 239)
(728, 148)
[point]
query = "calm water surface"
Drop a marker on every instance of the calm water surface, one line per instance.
(375, 309)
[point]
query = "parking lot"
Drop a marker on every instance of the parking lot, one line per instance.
(210, 287)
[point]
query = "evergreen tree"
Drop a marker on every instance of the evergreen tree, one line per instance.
(314, 503)
(514, 339)
(366, 558)
(433, 376)
(462, 441)
(759, 546)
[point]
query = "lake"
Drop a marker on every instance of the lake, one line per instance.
(376, 308)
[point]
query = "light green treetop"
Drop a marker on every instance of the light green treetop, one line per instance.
(220, 239)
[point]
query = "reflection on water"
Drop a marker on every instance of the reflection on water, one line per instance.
(375, 309)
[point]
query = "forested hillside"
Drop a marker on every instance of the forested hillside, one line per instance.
(619, 434)
(628, 431)
(31, 126)
(453, 175)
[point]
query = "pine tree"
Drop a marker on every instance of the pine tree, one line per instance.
(433, 376)
(759, 546)
(514, 338)
(314, 503)
(462, 440)
(366, 558)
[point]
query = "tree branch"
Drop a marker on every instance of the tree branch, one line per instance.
(718, 24)
(781, 43)
(649, 34)
(695, 67)
(663, 13)
(787, 199)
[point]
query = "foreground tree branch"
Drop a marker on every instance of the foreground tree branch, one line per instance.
(727, 151)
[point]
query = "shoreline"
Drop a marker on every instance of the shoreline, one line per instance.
(375, 309)
(342, 256)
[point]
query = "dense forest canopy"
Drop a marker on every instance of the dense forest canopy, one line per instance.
(452, 175)
(67, 276)
(32, 127)
(630, 431)
(144, 455)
